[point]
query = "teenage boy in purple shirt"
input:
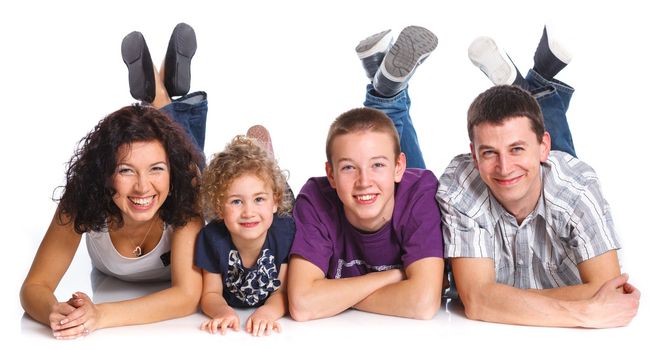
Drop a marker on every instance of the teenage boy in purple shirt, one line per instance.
(368, 234)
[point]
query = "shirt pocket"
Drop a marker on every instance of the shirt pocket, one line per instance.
(565, 273)
(505, 272)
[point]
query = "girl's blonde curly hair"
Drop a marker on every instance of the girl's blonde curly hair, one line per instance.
(241, 156)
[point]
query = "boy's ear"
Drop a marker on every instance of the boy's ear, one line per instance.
(330, 174)
(400, 167)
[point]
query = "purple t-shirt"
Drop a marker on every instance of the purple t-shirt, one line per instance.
(325, 237)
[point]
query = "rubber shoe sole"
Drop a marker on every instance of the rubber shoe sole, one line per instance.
(181, 49)
(137, 58)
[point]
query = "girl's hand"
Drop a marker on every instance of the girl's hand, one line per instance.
(259, 324)
(229, 320)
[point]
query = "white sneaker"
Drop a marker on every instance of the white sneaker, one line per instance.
(485, 54)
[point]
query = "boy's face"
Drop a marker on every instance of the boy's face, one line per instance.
(508, 157)
(363, 170)
(248, 210)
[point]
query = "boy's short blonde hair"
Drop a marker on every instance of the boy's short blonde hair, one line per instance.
(362, 119)
(241, 156)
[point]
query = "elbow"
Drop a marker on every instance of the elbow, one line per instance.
(189, 304)
(473, 306)
(425, 306)
(299, 311)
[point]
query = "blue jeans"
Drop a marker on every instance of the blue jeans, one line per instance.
(190, 112)
(398, 109)
(554, 98)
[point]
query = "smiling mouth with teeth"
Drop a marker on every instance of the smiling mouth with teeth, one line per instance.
(365, 197)
(141, 201)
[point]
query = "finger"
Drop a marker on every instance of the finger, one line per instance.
(81, 295)
(249, 325)
(616, 282)
(77, 303)
(255, 327)
(223, 326)
(74, 318)
(70, 333)
(213, 326)
(60, 311)
(235, 324)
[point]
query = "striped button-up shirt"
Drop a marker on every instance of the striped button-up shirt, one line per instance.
(571, 223)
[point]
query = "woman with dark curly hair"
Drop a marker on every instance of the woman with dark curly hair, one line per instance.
(132, 190)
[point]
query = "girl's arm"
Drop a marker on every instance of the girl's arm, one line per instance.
(264, 319)
(215, 306)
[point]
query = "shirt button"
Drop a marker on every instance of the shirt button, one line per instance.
(520, 262)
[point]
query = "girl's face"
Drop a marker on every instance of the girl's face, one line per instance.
(248, 209)
(141, 180)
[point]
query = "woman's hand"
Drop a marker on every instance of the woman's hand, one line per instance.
(75, 318)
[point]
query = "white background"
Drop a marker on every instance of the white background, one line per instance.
(291, 65)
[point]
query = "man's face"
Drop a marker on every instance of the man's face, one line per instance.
(363, 170)
(508, 157)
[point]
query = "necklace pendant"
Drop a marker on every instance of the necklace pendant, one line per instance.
(137, 251)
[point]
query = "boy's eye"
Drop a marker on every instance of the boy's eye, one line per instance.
(347, 167)
(517, 149)
(378, 165)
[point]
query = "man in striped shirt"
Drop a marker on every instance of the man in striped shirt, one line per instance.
(529, 235)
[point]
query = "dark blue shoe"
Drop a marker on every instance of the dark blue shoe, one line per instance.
(136, 55)
(181, 49)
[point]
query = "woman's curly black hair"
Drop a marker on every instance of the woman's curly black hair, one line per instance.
(87, 197)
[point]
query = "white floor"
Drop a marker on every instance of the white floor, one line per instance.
(291, 65)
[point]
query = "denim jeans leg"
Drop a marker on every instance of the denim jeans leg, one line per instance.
(398, 109)
(554, 98)
(190, 112)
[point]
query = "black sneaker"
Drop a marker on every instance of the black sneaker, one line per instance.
(412, 47)
(136, 55)
(181, 49)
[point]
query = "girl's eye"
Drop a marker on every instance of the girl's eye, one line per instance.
(260, 199)
(236, 202)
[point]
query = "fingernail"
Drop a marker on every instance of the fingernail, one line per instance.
(63, 321)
